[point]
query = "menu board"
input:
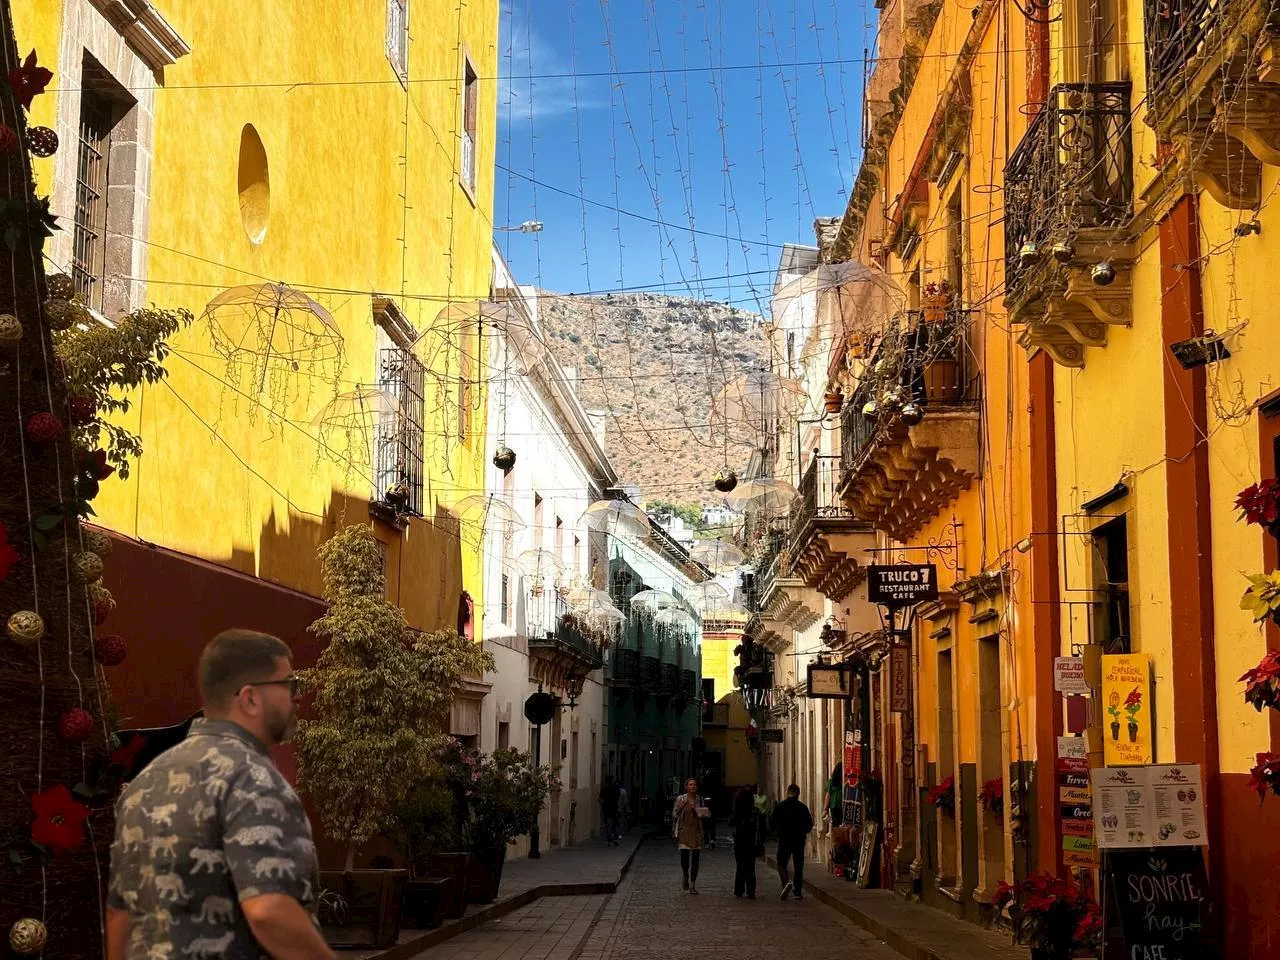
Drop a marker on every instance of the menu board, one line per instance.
(1122, 800)
(1160, 898)
(1075, 810)
(1178, 805)
(1156, 806)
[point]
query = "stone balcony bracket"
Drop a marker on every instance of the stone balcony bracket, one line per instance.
(830, 558)
(790, 604)
(1063, 311)
(908, 475)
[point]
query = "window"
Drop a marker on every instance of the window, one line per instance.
(399, 441)
(102, 105)
(955, 245)
(573, 762)
(470, 106)
(1111, 543)
(398, 37)
(506, 599)
(504, 734)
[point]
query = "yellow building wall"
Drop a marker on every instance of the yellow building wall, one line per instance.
(364, 198)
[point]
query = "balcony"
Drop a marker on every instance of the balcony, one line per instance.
(625, 672)
(827, 540)
(1212, 67)
(650, 680)
(1068, 198)
(668, 683)
(566, 651)
(909, 459)
(783, 603)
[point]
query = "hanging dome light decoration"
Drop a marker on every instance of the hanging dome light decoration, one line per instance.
(1103, 273)
(504, 458)
(1063, 251)
(726, 480)
(870, 408)
(911, 414)
(61, 286)
(1029, 253)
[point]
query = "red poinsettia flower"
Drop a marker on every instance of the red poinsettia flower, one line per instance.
(29, 80)
(124, 755)
(1260, 502)
(95, 465)
(1134, 698)
(8, 555)
(1265, 775)
(1262, 683)
(59, 823)
(1004, 893)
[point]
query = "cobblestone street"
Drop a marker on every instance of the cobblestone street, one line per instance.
(650, 916)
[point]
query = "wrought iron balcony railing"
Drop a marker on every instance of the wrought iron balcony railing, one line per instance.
(1073, 170)
(626, 666)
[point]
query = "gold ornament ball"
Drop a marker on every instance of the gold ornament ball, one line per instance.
(25, 628)
(60, 286)
(98, 543)
(87, 566)
(58, 313)
(10, 328)
(28, 936)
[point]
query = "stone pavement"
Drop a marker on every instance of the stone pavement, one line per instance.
(590, 868)
(650, 916)
(915, 931)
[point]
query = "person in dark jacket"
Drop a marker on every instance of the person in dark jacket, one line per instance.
(744, 842)
(792, 822)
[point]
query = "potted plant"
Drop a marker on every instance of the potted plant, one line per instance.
(503, 794)
(1260, 503)
(1262, 599)
(992, 797)
(1052, 915)
(1132, 704)
(833, 402)
(943, 796)
(936, 301)
(1263, 682)
(431, 822)
(382, 695)
(1113, 708)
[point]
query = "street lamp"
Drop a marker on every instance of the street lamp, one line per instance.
(529, 226)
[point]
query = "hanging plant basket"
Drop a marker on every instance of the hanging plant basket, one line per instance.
(833, 402)
(936, 301)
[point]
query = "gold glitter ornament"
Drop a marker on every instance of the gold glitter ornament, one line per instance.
(95, 541)
(28, 936)
(86, 566)
(25, 628)
(10, 328)
(58, 313)
(61, 286)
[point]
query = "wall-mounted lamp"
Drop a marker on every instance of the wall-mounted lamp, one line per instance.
(1199, 351)
(1023, 545)
(1248, 227)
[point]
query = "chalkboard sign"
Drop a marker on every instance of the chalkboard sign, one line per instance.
(867, 852)
(1161, 899)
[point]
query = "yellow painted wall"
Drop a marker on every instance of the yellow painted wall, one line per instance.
(364, 198)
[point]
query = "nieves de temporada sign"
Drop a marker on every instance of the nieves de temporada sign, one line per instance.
(902, 584)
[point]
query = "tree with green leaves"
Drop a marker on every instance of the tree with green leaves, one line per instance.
(383, 693)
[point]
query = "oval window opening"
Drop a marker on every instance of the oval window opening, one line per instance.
(254, 185)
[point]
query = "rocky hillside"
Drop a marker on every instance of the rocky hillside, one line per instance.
(655, 363)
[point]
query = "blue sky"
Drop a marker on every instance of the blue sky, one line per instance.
(737, 118)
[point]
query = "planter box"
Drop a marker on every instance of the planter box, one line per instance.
(370, 916)
(423, 902)
(455, 867)
(484, 875)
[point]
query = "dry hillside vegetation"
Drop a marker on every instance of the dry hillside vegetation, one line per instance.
(655, 363)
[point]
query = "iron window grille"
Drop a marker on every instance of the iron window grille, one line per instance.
(399, 440)
(89, 244)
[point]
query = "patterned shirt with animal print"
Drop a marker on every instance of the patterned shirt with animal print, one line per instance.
(206, 825)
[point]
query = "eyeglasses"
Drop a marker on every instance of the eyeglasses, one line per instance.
(291, 680)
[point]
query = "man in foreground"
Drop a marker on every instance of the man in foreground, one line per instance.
(792, 822)
(213, 855)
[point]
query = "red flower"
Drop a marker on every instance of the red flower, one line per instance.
(1260, 502)
(82, 409)
(944, 794)
(29, 80)
(43, 427)
(1265, 775)
(1263, 681)
(1004, 893)
(59, 823)
(1134, 698)
(8, 555)
(95, 465)
(125, 755)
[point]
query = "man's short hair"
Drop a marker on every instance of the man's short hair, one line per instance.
(234, 658)
(792, 788)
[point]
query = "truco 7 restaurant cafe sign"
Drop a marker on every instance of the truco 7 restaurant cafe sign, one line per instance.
(902, 584)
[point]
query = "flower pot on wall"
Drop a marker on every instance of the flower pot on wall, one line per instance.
(942, 380)
(369, 915)
(833, 402)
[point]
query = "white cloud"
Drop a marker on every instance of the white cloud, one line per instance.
(535, 78)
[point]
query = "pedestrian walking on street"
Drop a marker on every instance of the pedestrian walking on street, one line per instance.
(213, 854)
(792, 822)
(745, 829)
(610, 801)
(624, 809)
(687, 816)
(761, 800)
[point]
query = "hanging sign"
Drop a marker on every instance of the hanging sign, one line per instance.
(1160, 899)
(771, 735)
(1068, 676)
(829, 682)
(1075, 810)
(1126, 697)
(902, 584)
(899, 679)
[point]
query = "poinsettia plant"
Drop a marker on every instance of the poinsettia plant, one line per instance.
(1262, 683)
(1265, 775)
(1050, 913)
(991, 796)
(1260, 503)
(1262, 599)
(943, 796)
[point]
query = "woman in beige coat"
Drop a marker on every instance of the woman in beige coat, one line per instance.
(686, 826)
